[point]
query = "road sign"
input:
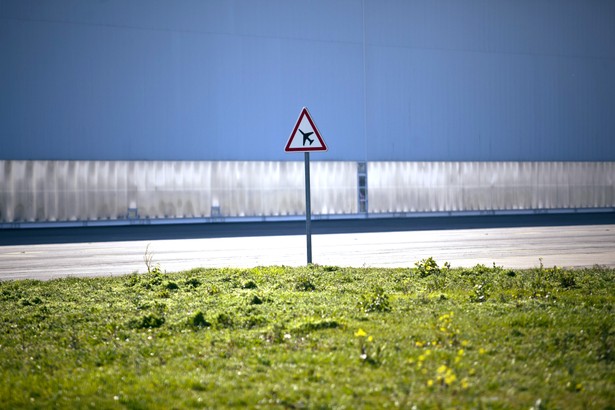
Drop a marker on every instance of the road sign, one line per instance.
(305, 136)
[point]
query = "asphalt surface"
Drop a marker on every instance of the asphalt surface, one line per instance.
(515, 241)
(32, 236)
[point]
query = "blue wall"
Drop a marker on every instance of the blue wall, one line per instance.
(444, 80)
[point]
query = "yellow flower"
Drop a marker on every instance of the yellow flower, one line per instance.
(450, 378)
(481, 351)
(429, 383)
(442, 369)
(419, 344)
(360, 333)
(370, 339)
(464, 383)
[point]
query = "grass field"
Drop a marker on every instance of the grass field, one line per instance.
(312, 337)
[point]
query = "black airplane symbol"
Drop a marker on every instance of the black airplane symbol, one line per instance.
(306, 137)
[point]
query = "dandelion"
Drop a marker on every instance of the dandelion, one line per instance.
(360, 333)
(445, 317)
(419, 344)
(370, 339)
(460, 354)
(481, 351)
(446, 375)
(430, 383)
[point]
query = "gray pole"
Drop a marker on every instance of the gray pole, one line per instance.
(308, 208)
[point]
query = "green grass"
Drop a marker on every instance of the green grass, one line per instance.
(312, 337)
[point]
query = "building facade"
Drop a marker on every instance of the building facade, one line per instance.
(132, 110)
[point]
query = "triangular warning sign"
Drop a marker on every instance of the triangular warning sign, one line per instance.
(305, 136)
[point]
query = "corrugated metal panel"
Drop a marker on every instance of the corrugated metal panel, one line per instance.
(49, 191)
(401, 187)
(109, 190)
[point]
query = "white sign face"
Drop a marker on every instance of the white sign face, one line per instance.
(305, 136)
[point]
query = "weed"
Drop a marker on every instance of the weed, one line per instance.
(567, 280)
(276, 334)
(427, 267)
(198, 320)
(148, 257)
(224, 320)
(31, 302)
(305, 284)
(148, 321)
(256, 300)
(252, 322)
(480, 293)
(192, 283)
(171, 285)
(375, 301)
(317, 325)
(249, 285)
(163, 294)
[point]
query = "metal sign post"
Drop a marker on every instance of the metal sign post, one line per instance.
(308, 208)
(306, 138)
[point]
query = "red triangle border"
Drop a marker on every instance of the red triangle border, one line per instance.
(323, 147)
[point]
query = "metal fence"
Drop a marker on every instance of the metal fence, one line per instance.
(81, 191)
(489, 186)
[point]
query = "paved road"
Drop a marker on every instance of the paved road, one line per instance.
(510, 241)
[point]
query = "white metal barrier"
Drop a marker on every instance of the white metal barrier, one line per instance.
(37, 191)
(73, 191)
(396, 187)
